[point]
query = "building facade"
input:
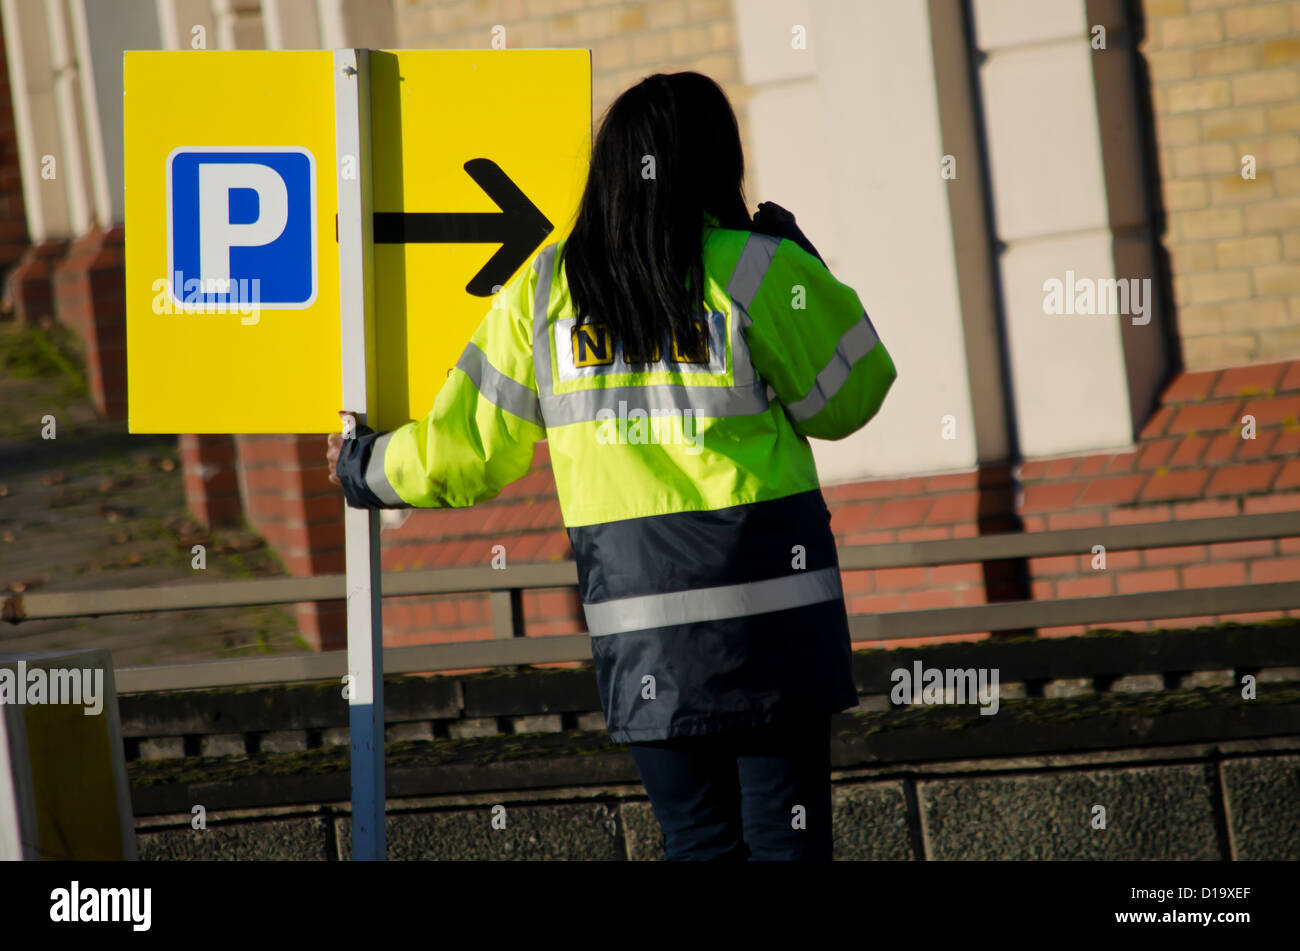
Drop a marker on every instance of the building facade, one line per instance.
(1076, 224)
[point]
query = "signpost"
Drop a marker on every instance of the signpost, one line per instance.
(249, 274)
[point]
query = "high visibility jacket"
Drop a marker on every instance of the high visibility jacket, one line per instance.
(706, 564)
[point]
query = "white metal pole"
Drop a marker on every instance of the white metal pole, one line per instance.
(361, 526)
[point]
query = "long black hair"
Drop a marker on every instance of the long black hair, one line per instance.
(667, 151)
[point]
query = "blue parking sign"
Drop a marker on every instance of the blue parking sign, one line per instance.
(241, 227)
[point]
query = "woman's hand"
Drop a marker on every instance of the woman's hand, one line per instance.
(332, 456)
(335, 445)
(774, 220)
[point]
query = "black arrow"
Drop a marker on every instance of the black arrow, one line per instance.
(519, 227)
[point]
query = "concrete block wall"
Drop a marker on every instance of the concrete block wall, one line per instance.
(1225, 84)
(1187, 766)
(1240, 802)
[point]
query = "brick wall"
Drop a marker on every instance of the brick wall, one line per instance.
(1193, 461)
(89, 296)
(926, 508)
(524, 520)
(289, 500)
(211, 486)
(1225, 84)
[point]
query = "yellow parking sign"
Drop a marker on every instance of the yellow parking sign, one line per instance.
(221, 150)
(232, 273)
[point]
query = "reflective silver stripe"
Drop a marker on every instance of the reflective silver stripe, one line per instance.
(583, 406)
(857, 342)
(742, 364)
(497, 388)
(713, 604)
(545, 264)
(376, 481)
(751, 268)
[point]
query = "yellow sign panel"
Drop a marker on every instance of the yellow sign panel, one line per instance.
(221, 148)
(478, 160)
(486, 152)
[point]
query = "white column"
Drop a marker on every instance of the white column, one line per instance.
(101, 32)
(72, 166)
(847, 136)
(36, 118)
(1067, 188)
(239, 25)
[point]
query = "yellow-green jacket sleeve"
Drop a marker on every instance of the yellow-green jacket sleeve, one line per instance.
(481, 432)
(811, 339)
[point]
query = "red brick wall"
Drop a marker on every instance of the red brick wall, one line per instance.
(89, 286)
(525, 520)
(924, 508)
(1191, 462)
(211, 486)
(289, 500)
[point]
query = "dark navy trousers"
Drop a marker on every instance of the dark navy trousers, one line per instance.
(760, 794)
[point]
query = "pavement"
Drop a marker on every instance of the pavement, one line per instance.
(96, 508)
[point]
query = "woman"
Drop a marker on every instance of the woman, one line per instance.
(676, 355)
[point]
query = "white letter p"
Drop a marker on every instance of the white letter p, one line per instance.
(217, 234)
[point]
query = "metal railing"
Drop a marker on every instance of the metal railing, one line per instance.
(509, 646)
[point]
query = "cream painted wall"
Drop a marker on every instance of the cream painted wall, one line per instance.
(102, 33)
(846, 135)
(1081, 382)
